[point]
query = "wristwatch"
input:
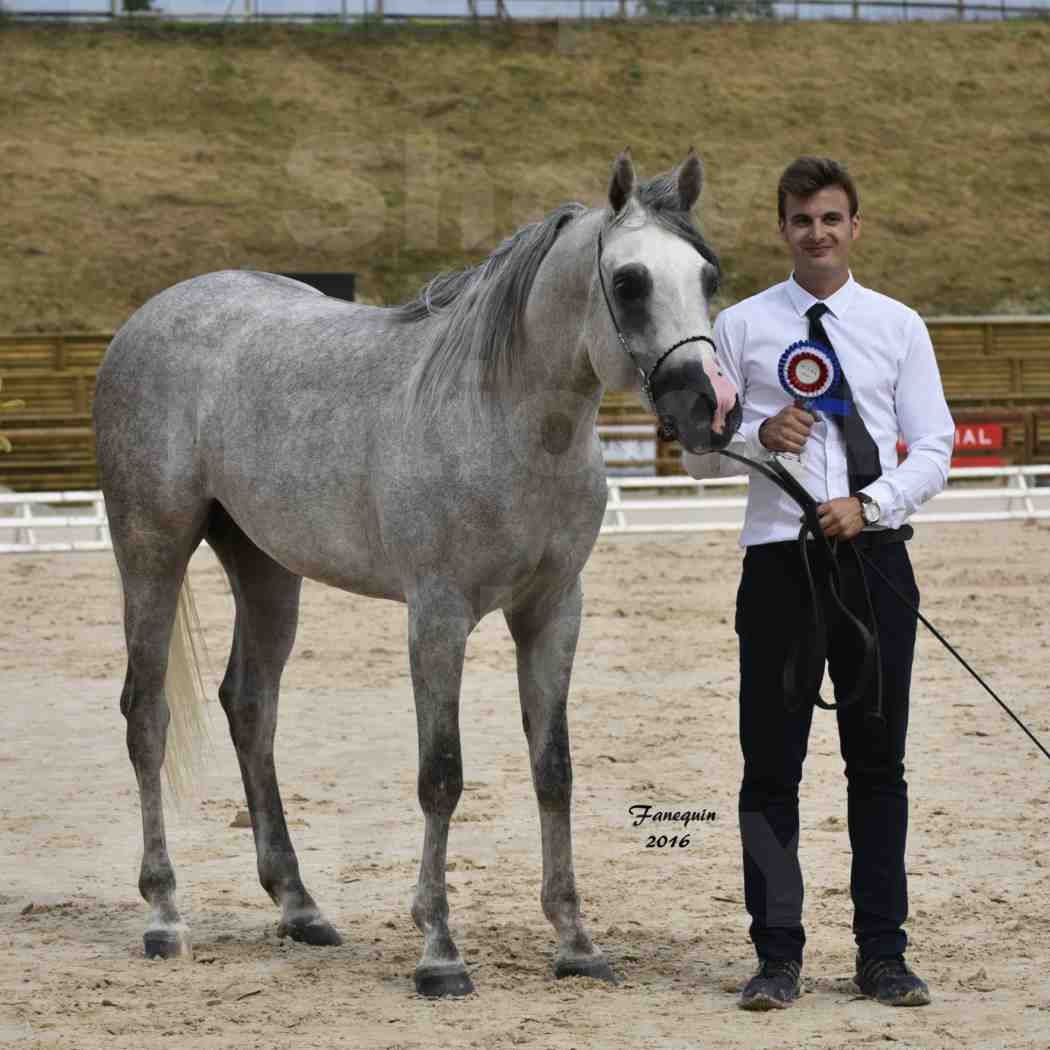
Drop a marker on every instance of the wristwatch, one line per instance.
(869, 509)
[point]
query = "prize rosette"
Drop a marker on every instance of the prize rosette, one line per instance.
(811, 373)
(808, 371)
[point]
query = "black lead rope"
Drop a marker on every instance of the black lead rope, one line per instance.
(776, 473)
(800, 686)
(804, 668)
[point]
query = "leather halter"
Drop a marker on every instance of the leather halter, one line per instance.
(647, 377)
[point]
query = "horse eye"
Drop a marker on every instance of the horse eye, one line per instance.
(632, 283)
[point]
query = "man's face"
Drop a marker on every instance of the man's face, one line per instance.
(819, 231)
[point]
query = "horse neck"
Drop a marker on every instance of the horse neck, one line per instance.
(560, 322)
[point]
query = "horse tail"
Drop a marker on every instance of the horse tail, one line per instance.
(184, 689)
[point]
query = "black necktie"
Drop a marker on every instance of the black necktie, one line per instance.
(862, 454)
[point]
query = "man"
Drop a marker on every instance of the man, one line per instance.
(847, 459)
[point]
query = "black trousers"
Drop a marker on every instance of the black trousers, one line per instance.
(772, 607)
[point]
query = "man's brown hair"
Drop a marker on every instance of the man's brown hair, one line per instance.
(808, 175)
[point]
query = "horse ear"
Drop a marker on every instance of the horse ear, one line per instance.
(690, 179)
(621, 185)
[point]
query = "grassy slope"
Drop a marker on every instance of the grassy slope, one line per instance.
(130, 160)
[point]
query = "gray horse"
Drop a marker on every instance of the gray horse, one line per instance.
(442, 454)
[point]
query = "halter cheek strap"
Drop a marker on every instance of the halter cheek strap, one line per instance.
(647, 377)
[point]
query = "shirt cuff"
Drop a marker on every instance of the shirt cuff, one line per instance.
(747, 436)
(711, 465)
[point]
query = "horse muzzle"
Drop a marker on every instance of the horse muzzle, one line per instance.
(696, 404)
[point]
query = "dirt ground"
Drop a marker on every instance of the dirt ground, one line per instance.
(653, 721)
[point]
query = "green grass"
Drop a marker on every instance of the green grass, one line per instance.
(135, 157)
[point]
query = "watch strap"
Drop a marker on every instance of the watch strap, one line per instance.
(865, 502)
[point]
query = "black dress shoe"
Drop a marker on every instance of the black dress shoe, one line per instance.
(776, 985)
(889, 981)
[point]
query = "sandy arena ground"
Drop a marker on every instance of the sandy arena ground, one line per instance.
(653, 720)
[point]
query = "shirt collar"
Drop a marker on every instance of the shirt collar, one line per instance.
(837, 304)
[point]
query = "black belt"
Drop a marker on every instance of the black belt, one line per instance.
(869, 539)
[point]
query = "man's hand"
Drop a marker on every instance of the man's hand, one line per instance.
(788, 430)
(841, 519)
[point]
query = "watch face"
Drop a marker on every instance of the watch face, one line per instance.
(871, 512)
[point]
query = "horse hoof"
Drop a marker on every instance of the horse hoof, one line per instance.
(317, 932)
(436, 982)
(594, 966)
(166, 944)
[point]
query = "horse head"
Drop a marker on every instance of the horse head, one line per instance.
(657, 276)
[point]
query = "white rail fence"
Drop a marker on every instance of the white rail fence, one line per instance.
(679, 504)
(375, 11)
(41, 522)
(25, 517)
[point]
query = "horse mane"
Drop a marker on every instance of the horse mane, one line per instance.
(483, 306)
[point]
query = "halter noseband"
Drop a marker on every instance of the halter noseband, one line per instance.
(647, 378)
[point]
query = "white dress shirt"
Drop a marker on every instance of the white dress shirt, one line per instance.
(885, 352)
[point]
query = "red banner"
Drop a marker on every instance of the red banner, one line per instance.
(978, 437)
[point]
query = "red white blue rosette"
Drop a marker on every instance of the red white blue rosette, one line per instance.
(807, 371)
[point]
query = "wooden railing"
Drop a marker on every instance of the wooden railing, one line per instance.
(994, 369)
(993, 360)
(53, 444)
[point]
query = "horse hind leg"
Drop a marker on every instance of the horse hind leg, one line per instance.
(151, 585)
(267, 602)
(439, 624)
(545, 635)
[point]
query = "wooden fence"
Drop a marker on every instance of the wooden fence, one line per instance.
(53, 444)
(995, 370)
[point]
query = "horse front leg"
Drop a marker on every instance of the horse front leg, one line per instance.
(545, 634)
(439, 623)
